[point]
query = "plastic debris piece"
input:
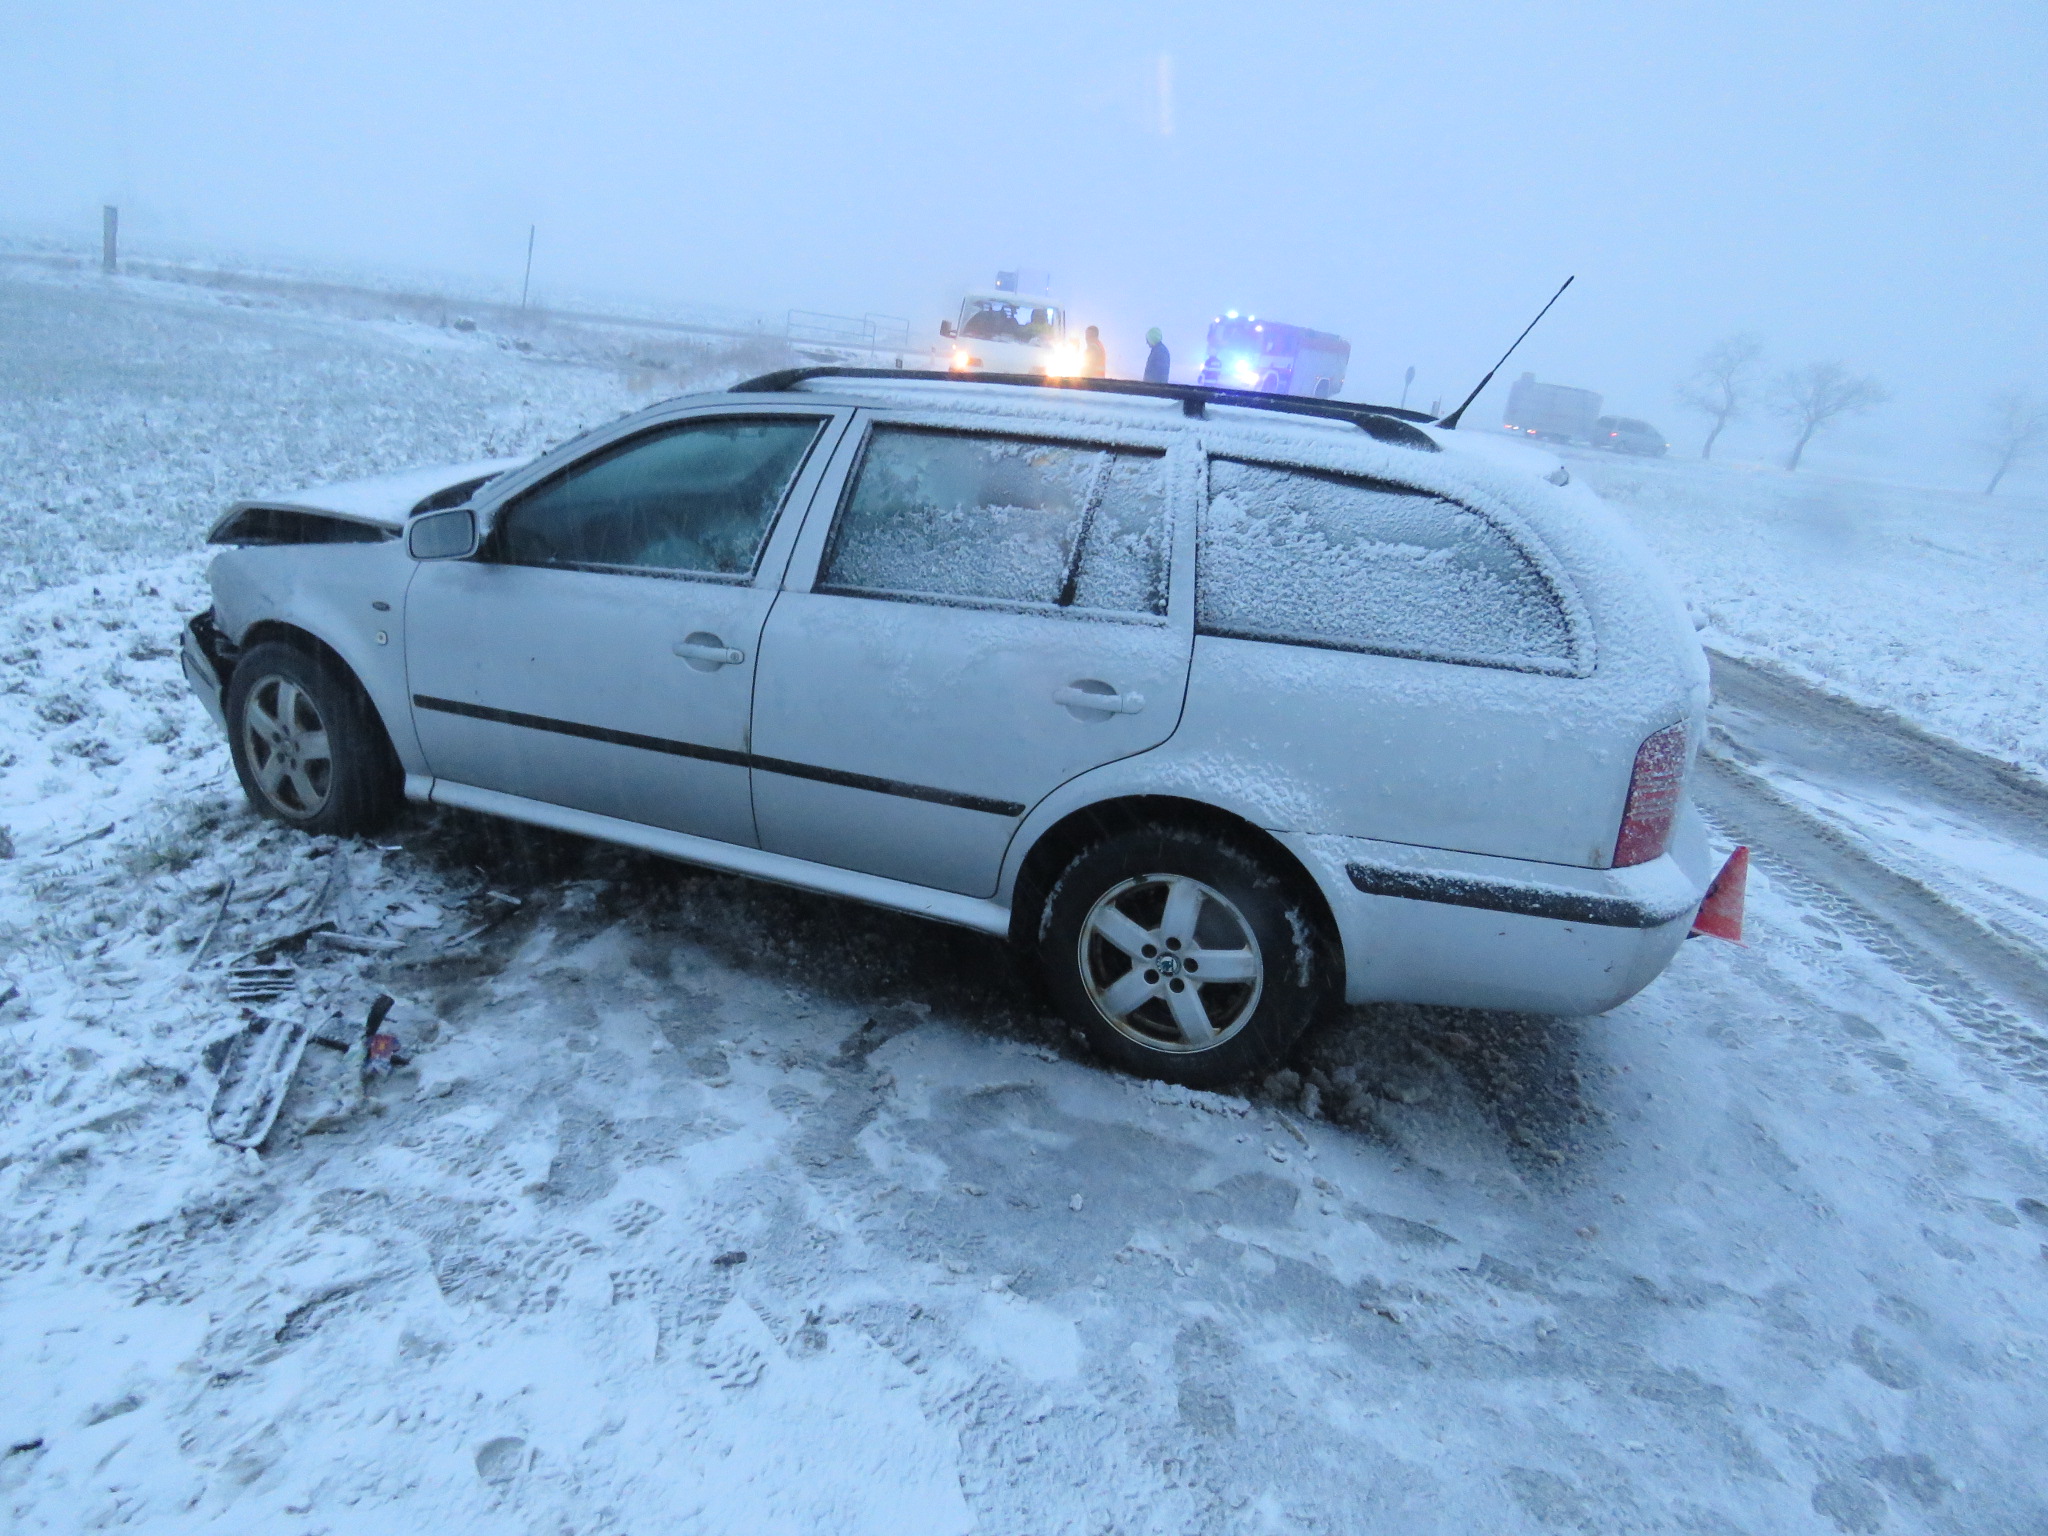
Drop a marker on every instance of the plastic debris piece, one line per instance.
(284, 944)
(322, 898)
(213, 928)
(84, 837)
(380, 1048)
(255, 1071)
(258, 983)
(357, 943)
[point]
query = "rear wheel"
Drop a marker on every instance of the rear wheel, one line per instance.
(308, 748)
(1182, 955)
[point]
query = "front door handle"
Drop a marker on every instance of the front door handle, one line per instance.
(1092, 699)
(706, 652)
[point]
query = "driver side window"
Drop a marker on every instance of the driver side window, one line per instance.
(697, 498)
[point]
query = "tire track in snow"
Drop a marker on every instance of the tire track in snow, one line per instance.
(1998, 996)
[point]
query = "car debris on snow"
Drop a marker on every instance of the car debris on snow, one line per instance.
(254, 1067)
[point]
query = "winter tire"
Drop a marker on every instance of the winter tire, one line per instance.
(1183, 956)
(308, 748)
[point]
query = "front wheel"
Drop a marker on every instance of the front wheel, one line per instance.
(308, 747)
(1183, 956)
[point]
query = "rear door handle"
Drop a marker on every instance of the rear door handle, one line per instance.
(707, 653)
(1101, 698)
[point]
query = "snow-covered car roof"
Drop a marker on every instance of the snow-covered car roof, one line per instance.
(1277, 424)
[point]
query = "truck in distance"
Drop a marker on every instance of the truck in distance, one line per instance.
(1555, 413)
(1273, 358)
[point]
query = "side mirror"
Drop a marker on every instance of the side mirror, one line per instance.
(446, 535)
(945, 327)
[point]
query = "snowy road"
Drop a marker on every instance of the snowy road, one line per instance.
(1936, 857)
(708, 1207)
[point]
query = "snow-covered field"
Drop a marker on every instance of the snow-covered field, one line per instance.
(133, 414)
(707, 1207)
(1926, 603)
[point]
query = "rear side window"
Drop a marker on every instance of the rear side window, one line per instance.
(697, 499)
(937, 516)
(1354, 564)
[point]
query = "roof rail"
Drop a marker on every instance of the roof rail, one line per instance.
(1383, 423)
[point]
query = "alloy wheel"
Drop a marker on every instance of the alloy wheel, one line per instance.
(1171, 963)
(285, 742)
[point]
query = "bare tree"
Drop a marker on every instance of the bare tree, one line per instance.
(1722, 383)
(1816, 395)
(2018, 430)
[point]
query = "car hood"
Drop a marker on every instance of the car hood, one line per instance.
(383, 501)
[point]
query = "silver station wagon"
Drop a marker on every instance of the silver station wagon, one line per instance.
(1219, 706)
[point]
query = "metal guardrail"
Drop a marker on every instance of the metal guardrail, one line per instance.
(868, 333)
(871, 333)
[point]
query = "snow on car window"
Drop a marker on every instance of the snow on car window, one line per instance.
(698, 498)
(954, 516)
(1123, 562)
(1324, 560)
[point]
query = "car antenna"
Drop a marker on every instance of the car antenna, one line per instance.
(1450, 422)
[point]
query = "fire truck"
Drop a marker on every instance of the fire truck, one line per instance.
(1273, 358)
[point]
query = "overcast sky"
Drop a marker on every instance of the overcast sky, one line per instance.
(1861, 182)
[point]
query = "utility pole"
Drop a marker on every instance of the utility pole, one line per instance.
(1407, 384)
(527, 281)
(110, 231)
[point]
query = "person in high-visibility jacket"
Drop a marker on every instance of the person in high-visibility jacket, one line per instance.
(1158, 361)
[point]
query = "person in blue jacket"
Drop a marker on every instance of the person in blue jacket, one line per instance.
(1158, 361)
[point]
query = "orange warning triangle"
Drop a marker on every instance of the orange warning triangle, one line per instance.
(1720, 915)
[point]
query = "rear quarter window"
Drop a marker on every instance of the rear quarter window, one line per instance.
(1346, 563)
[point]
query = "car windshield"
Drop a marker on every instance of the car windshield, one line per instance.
(1020, 320)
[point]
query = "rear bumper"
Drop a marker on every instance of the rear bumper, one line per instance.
(204, 655)
(1425, 925)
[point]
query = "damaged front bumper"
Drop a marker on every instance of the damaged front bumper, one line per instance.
(208, 659)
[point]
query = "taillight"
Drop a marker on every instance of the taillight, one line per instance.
(1653, 790)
